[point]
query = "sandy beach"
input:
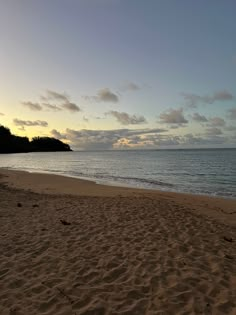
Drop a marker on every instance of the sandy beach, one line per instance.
(72, 247)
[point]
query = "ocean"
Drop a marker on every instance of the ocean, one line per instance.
(202, 171)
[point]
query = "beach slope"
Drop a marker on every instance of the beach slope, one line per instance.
(73, 247)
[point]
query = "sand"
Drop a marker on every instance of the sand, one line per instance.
(72, 247)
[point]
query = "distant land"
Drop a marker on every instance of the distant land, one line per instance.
(10, 143)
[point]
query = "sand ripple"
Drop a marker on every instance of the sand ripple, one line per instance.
(119, 255)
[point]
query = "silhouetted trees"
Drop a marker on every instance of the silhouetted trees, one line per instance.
(48, 144)
(14, 144)
(4, 131)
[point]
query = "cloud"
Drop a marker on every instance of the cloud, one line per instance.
(199, 118)
(130, 86)
(32, 106)
(104, 95)
(86, 139)
(156, 140)
(222, 96)
(52, 107)
(192, 100)
(146, 138)
(216, 122)
(30, 123)
(56, 134)
(61, 101)
(91, 139)
(187, 140)
(230, 128)
(99, 117)
(191, 140)
(126, 119)
(52, 95)
(1, 114)
(232, 113)
(213, 131)
(173, 116)
(133, 132)
(71, 107)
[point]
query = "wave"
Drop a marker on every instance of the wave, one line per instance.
(121, 179)
(223, 185)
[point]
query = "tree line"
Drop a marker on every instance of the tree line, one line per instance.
(10, 143)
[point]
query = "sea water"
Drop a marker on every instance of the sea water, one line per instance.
(201, 171)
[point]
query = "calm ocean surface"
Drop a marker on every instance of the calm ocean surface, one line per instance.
(211, 172)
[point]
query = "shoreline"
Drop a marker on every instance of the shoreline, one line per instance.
(115, 184)
(222, 209)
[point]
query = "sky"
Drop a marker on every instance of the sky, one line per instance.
(120, 74)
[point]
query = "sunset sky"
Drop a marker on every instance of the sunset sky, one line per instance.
(119, 74)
